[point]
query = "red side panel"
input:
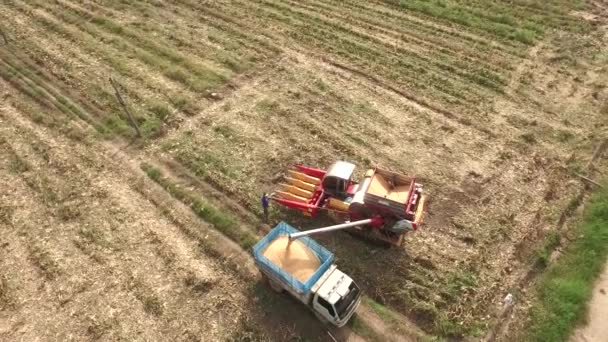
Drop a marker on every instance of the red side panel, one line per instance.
(318, 173)
(352, 186)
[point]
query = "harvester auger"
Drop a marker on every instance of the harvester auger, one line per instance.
(384, 205)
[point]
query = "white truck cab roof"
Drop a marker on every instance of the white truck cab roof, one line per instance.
(334, 286)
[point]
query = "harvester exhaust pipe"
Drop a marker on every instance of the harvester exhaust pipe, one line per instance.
(374, 221)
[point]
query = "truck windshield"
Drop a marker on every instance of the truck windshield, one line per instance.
(343, 304)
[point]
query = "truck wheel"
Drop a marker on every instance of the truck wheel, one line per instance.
(321, 319)
(275, 286)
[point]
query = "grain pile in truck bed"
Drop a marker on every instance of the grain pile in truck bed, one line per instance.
(295, 258)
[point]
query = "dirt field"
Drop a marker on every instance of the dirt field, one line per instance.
(495, 106)
(74, 269)
(91, 250)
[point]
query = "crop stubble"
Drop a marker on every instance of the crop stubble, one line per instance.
(489, 149)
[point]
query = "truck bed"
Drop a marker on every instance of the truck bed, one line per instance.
(276, 272)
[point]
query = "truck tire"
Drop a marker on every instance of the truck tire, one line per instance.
(272, 284)
(321, 319)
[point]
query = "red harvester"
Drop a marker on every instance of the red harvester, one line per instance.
(384, 204)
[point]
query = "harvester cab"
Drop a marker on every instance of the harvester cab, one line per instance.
(337, 181)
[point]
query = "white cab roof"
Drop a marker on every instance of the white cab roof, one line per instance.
(341, 170)
(335, 287)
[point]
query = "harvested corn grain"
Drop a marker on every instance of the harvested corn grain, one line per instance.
(294, 258)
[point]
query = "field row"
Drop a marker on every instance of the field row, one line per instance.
(432, 63)
(98, 42)
(448, 69)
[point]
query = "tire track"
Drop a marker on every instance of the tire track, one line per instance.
(194, 64)
(199, 47)
(352, 51)
(432, 56)
(132, 71)
(35, 86)
(433, 41)
(384, 9)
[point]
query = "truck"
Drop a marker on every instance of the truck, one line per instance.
(387, 203)
(331, 294)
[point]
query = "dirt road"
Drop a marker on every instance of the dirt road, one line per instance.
(596, 328)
